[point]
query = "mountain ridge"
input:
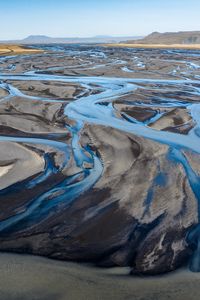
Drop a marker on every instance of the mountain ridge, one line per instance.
(169, 38)
(43, 39)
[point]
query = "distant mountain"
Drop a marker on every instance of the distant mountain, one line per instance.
(103, 36)
(35, 39)
(169, 38)
(43, 39)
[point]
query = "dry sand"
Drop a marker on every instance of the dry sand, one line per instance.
(19, 163)
(16, 49)
(44, 279)
(157, 46)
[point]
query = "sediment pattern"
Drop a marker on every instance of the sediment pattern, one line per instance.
(99, 156)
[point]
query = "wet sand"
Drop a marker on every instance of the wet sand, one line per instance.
(25, 277)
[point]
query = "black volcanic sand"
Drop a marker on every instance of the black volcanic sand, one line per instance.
(92, 192)
(35, 278)
(111, 62)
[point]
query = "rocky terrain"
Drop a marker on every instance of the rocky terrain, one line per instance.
(99, 156)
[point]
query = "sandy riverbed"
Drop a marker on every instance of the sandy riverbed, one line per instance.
(43, 279)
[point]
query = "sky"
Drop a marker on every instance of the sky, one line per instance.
(85, 18)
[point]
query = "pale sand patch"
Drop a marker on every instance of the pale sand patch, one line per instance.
(28, 277)
(3, 93)
(4, 50)
(26, 163)
(5, 170)
(17, 49)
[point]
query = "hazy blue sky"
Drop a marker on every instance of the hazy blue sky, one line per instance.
(19, 18)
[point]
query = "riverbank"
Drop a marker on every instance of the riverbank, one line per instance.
(16, 49)
(42, 279)
(156, 46)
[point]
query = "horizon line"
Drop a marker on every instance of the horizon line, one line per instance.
(95, 36)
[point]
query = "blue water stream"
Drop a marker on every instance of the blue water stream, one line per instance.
(89, 109)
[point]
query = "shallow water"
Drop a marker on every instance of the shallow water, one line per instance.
(90, 109)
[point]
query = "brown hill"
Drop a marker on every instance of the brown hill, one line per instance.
(170, 38)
